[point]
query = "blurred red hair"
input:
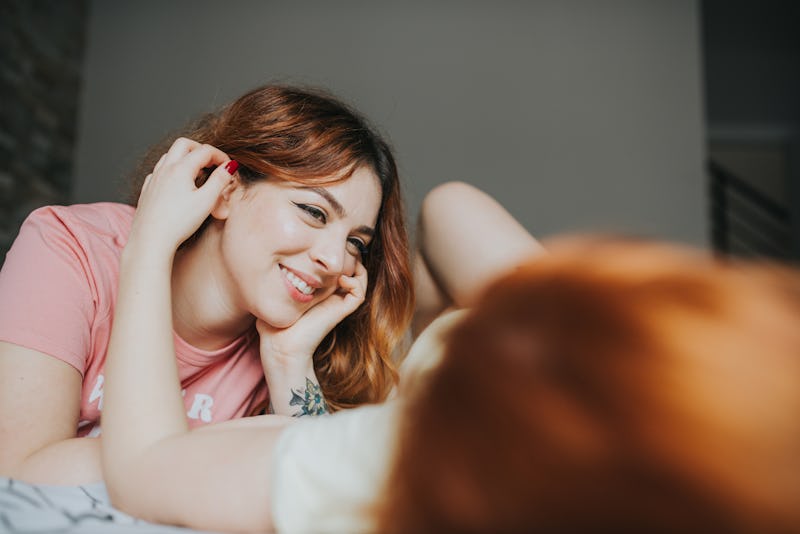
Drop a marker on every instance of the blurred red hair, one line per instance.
(611, 386)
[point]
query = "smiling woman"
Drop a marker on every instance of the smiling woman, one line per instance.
(308, 217)
(286, 138)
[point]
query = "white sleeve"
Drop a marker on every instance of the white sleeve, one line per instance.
(328, 471)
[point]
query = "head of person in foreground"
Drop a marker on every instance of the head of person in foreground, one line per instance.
(611, 385)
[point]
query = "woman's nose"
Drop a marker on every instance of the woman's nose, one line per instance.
(329, 255)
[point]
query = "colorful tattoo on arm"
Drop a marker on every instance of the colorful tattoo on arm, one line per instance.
(310, 400)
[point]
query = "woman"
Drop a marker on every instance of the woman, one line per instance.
(313, 206)
(648, 389)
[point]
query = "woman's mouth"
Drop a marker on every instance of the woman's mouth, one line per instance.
(297, 282)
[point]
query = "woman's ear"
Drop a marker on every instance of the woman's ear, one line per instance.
(229, 194)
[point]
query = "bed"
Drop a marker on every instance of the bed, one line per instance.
(37, 509)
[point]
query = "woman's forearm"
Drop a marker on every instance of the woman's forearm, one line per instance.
(293, 386)
(141, 352)
(141, 355)
(69, 462)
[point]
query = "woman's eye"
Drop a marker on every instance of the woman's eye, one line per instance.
(314, 212)
(358, 247)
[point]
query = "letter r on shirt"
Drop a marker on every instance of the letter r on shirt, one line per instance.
(97, 392)
(201, 407)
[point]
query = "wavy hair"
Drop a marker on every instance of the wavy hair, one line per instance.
(307, 136)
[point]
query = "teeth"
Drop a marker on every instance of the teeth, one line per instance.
(298, 283)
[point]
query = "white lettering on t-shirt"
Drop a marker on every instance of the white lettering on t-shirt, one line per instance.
(97, 392)
(94, 431)
(201, 407)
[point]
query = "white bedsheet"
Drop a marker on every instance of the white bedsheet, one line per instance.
(37, 509)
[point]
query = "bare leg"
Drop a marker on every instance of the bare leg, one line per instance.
(465, 240)
(431, 301)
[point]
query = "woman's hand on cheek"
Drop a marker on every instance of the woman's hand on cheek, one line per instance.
(299, 341)
(171, 206)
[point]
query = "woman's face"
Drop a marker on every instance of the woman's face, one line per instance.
(285, 245)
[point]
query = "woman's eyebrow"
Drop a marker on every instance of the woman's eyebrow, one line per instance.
(327, 195)
(338, 208)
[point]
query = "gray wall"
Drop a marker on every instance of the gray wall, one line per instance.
(574, 114)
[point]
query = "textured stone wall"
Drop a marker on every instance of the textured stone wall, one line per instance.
(41, 44)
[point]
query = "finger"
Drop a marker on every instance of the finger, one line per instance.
(353, 286)
(147, 180)
(361, 274)
(217, 181)
(197, 162)
(204, 156)
(360, 269)
(180, 147)
(159, 163)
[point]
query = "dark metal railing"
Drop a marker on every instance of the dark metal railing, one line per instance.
(744, 221)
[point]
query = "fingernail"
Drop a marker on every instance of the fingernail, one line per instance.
(231, 166)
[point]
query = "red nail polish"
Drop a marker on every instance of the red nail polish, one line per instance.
(231, 166)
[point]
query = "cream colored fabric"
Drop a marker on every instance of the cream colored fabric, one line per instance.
(328, 471)
(428, 349)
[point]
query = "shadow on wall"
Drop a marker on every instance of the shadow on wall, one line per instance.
(40, 77)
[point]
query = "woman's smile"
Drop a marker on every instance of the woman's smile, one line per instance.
(301, 286)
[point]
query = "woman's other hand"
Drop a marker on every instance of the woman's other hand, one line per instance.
(287, 353)
(299, 341)
(171, 205)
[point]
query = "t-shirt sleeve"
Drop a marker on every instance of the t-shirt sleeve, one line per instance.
(46, 297)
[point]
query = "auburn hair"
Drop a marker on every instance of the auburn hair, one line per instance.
(309, 137)
(611, 386)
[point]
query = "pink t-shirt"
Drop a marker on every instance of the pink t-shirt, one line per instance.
(58, 288)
